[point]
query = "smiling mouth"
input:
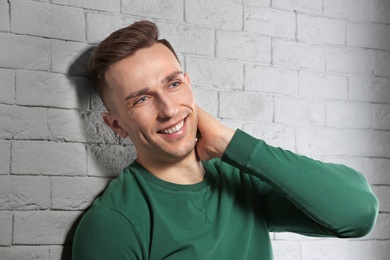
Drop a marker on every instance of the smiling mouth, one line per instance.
(174, 129)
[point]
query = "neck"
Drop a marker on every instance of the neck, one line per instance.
(188, 170)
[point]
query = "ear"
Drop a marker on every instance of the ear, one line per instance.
(112, 121)
(187, 77)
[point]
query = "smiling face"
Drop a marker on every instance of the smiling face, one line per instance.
(153, 104)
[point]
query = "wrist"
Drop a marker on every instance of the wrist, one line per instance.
(224, 141)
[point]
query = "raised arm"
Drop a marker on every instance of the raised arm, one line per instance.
(337, 198)
(213, 136)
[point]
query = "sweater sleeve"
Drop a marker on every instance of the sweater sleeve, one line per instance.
(104, 233)
(307, 196)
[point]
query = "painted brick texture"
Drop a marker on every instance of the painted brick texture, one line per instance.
(311, 76)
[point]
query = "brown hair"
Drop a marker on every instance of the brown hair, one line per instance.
(119, 45)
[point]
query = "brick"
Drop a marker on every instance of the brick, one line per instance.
(44, 227)
(265, 3)
(7, 86)
(290, 236)
(323, 85)
(47, 20)
(386, 248)
(4, 16)
(299, 112)
(66, 125)
(59, 158)
(70, 58)
(286, 250)
(382, 117)
(101, 25)
(348, 9)
(246, 106)
(381, 63)
(109, 160)
(380, 174)
(325, 249)
(370, 89)
(96, 130)
(363, 250)
(76, 192)
(101, 5)
(60, 252)
(320, 29)
(270, 21)
(213, 73)
(207, 99)
(298, 55)
(5, 228)
(349, 60)
(271, 80)
(220, 14)
(23, 122)
(5, 157)
(383, 195)
(348, 142)
(349, 115)
(24, 192)
(245, 46)
(169, 9)
(188, 39)
(304, 6)
(380, 10)
(50, 89)
(274, 134)
(382, 227)
(24, 252)
(369, 35)
(23, 52)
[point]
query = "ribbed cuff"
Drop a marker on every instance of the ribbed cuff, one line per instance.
(240, 149)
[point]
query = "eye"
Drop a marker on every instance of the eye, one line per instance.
(175, 84)
(141, 100)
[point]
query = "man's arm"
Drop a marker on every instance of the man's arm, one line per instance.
(336, 197)
(105, 234)
(214, 137)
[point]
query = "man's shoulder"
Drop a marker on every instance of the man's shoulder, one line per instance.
(123, 196)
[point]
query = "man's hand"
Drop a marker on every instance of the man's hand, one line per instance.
(213, 136)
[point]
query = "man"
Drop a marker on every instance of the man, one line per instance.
(199, 190)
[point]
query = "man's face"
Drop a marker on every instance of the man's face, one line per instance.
(153, 104)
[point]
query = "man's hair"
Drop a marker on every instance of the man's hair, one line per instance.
(119, 45)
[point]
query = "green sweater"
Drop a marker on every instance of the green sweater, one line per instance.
(254, 189)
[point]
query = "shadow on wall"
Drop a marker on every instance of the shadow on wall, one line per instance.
(107, 153)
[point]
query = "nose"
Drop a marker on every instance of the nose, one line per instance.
(167, 107)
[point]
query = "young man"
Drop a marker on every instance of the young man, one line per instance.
(199, 190)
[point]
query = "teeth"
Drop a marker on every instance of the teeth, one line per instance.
(174, 129)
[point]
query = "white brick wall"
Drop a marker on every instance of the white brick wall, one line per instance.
(312, 76)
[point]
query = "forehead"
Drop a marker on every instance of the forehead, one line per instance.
(154, 61)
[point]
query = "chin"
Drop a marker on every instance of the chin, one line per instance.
(183, 151)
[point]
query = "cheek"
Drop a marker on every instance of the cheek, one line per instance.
(141, 119)
(188, 97)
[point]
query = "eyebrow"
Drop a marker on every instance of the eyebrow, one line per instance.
(137, 93)
(171, 76)
(146, 90)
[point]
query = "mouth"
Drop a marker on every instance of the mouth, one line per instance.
(174, 129)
